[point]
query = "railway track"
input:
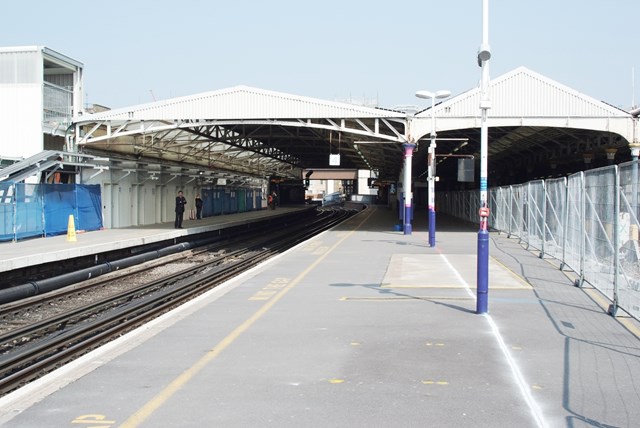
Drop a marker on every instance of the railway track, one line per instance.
(31, 350)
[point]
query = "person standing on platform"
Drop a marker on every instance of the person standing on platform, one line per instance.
(198, 207)
(180, 204)
(271, 201)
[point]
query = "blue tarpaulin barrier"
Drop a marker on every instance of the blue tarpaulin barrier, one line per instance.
(31, 210)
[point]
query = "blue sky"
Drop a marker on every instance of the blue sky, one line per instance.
(135, 51)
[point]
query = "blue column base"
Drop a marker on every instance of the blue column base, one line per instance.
(482, 285)
(407, 220)
(407, 229)
(432, 227)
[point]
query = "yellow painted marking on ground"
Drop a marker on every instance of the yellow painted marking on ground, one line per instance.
(604, 303)
(320, 250)
(455, 286)
(92, 420)
(435, 382)
(263, 295)
(538, 387)
(406, 298)
(629, 324)
(423, 286)
(156, 402)
(270, 289)
(427, 270)
(355, 343)
(516, 348)
(334, 381)
(434, 344)
(515, 275)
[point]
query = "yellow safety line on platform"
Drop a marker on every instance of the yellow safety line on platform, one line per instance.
(628, 323)
(518, 277)
(423, 286)
(408, 298)
(154, 404)
(492, 287)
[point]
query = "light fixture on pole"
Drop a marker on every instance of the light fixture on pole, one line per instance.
(431, 160)
(484, 54)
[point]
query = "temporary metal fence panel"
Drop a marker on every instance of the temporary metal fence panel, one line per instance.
(249, 200)
(501, 208)
(258, 199)
(600, 194)
(241, 200)
(574, 225)
(588, 221)
(32, 210)
(629, 248)
(535, 214)
(218, 201)
(29, 219)
(555, 207)
(518, 198)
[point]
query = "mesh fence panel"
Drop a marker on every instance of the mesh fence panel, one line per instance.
(574, 243)
(599, 191)
(589, 221)
(7, 208)
(499, 219)
(629, 259)
(556, 194)
(535, 214)
(518, 195)
(28, 214)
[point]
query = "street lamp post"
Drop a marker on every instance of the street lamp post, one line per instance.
(432, 161)
(484, 54)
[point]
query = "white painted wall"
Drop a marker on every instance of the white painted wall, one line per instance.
(21, 120)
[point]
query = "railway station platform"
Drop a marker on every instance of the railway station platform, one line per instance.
(362, 326)
(36, 251)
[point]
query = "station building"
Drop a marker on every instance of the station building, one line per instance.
(236, 145)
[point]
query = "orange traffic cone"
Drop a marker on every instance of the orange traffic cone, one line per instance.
(71, 230)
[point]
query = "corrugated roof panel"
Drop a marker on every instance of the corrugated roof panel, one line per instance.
(523, 93)
(241, 102)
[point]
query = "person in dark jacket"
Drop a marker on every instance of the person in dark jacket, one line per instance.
(180, 204)
(198, 207)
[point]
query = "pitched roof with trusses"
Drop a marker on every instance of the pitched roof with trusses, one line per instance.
(251, 130)
(535, 125)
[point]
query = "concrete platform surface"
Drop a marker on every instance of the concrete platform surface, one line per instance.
(30, 252)
(362, 326)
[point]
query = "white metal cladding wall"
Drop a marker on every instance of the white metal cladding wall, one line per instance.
(21, 120)
(589, 222)
(20, 67)
(130, 198)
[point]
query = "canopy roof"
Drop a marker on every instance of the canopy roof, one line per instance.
(536, 125)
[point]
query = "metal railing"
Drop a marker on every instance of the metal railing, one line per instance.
(588, 221)
(57, 105)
